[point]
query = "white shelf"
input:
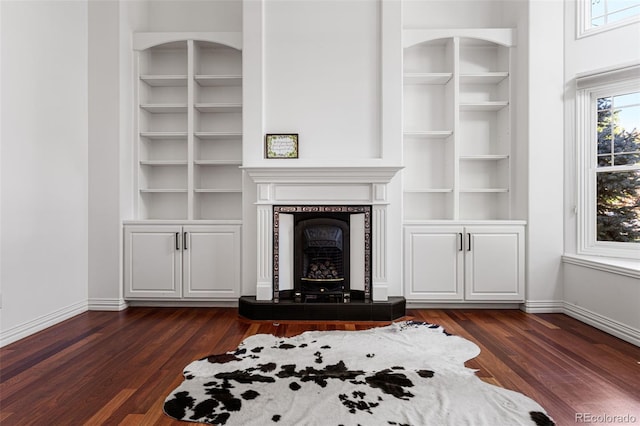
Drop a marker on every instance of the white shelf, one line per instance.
(164, 80)
(428, 191)
(213, 191)
(484, 157)
(483, 78)
(427, 78)
(483, 106)
(219, 80)
(218, 162)
(164, 108)
(218, 135)
(164, 135)
(219, 107)
(484, 190)
(165, 191)
(163, 163)
(430, 134)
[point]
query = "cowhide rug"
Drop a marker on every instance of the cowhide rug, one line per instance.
(407, 373)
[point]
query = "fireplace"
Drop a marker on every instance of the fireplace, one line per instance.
(349, 200)
(322, 253)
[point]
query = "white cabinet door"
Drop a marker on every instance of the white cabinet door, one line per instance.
(211, 257)
(434, 263)
(494, 263)
(152, 262)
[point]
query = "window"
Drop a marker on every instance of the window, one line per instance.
(604, 12)
(609, 164)
(597, 15)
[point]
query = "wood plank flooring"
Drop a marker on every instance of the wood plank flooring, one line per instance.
(116, 368)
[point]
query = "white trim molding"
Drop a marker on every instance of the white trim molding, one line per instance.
(543, 306)
(38, 324)
(608, 325)
(601, 322)
(628, 268)
(107, 304)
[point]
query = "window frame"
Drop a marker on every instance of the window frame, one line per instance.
(583, 18)
(590, 87)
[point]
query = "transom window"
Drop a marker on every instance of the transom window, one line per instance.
(605, 12)
(595, 16)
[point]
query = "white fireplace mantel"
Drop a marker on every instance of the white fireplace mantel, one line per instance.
(315, 185)
(317, 174)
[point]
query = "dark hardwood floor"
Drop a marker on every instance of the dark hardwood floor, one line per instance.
(118, 367)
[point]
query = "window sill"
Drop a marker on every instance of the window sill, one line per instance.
(626, 267)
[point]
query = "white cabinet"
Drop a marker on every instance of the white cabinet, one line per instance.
(464, 263)
(188, 126)
(457, 102)
(434, 263)
(152, 261)
(182, 262)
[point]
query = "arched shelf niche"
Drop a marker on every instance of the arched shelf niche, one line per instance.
(188, 126)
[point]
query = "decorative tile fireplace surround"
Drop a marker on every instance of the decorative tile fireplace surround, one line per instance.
(340, 187)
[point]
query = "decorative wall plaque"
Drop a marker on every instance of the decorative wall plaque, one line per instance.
(281, 145)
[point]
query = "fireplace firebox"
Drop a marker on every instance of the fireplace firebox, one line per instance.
(321, 259)
(329, 256)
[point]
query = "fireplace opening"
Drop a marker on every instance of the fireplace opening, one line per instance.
(321, 248)
(322, 253)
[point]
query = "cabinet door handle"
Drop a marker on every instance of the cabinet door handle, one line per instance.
(461, 241)
(184, 240)
(177, 241)
(469, 246)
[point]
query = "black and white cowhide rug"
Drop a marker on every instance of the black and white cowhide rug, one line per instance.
(407, 373)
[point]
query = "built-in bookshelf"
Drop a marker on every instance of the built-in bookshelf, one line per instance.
(457, 124)
(188, 126)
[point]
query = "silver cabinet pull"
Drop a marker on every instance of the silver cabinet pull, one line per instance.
(184, 240)
(177, 241)
(461, 241)
(469, 247)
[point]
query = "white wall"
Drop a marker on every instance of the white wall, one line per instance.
(320, 69)
(322, 76)
(194, 15)
(545, 156)
(43, 246)
(605, 299)
(105, 291)
(419, 14)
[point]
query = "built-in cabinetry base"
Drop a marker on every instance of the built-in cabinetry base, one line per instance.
(390, 310)
(181, 262)
(465, 262)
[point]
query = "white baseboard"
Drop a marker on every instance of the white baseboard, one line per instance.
(608, 325)
(184, 303)
(107, 304)
(544, 306)
(31, 327)
(460, 305)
